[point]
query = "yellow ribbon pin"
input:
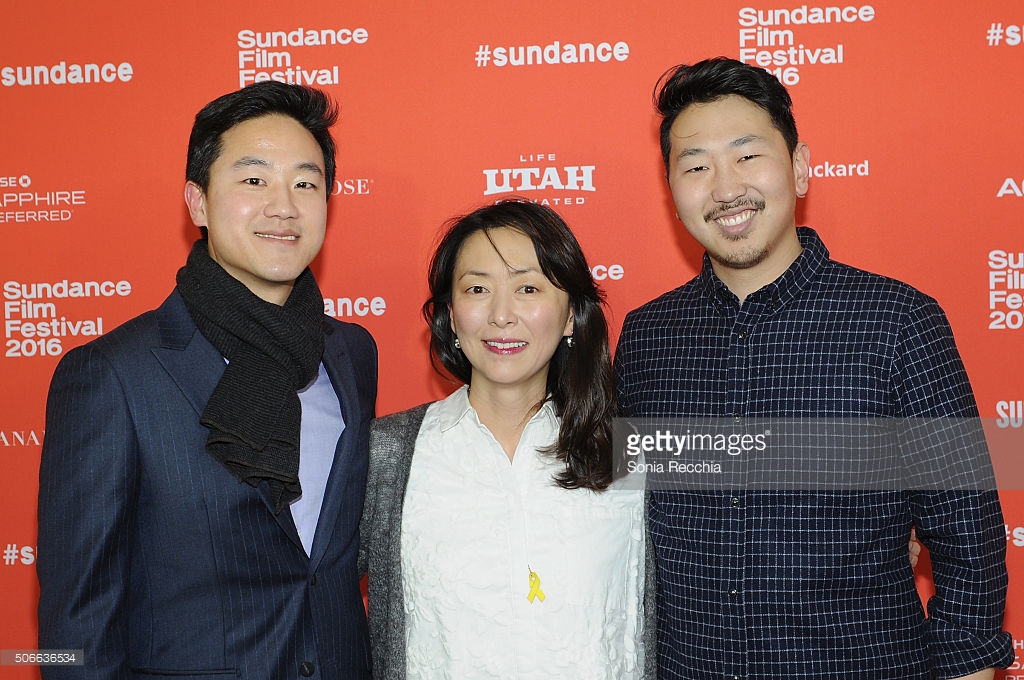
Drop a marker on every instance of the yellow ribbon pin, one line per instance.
(535, 590)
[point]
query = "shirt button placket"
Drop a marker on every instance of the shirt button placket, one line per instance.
(732, 572)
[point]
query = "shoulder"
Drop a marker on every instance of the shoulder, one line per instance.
(666, 305)
(871, 288)
(134, 339)
(661, 320)
(393, 437)
(401, 424)
(669, 300)
(140, 331)
(357, 338)
(865, 296)
(350, 347)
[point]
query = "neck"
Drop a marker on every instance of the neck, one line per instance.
(505, 412)
(744, 281)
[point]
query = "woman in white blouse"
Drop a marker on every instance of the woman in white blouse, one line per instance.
(496, 542)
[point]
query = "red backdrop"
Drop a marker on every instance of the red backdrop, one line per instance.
(912, 114)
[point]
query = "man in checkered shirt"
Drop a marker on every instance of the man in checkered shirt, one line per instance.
(800, 582)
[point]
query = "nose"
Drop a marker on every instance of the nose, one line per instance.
(728, 184)
(502, 310)
(280, 202)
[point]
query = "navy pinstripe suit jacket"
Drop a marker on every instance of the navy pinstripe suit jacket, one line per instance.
(153, 559)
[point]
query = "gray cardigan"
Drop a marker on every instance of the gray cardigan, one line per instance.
(392, 442)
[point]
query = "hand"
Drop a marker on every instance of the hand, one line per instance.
(914, 547)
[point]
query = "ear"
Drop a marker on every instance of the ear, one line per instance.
(195, 199)
(801, 168)
(570, 324)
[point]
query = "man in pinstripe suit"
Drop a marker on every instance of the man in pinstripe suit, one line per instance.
(181, 533)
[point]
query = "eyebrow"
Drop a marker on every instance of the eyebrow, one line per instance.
(309, 166)
(253, 161)
(736, 143)
(249, 161)
(513, 272)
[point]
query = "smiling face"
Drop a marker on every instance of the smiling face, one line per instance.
(735, 184)
(508, 316)
(265, 208)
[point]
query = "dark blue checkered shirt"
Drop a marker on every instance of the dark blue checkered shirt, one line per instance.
(813, 584)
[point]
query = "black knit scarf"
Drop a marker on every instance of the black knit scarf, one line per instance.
(273, 351)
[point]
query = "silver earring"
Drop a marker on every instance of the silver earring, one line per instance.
(458, 345)
(568, 342)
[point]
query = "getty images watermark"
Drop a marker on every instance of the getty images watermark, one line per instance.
(819, 454)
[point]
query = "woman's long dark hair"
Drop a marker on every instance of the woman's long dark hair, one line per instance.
(580, 379)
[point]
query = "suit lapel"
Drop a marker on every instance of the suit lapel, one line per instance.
(196, 366)
(193, 363)
(337, 361)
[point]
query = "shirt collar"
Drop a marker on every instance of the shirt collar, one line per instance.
(456, 407)
(793, 281)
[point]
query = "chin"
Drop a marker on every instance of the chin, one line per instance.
(738, 260)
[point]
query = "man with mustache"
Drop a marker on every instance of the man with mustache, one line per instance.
(807, 579)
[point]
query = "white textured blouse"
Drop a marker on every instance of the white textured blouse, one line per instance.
(475, 524)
